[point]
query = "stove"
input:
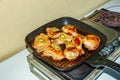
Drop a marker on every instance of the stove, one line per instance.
(84, 71)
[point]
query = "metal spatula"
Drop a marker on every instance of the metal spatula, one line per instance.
(97, 60)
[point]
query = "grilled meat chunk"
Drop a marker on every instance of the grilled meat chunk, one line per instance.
(53, 32)
(54, 51)
(91, 41)
(69, 29)
(41, 42)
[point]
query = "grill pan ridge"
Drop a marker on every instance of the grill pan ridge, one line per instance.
(82, 28)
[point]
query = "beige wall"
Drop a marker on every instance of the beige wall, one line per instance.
(19, 17)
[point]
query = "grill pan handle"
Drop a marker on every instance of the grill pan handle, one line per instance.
(112, 65)
(98, 60)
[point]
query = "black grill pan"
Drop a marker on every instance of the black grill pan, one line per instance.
(82, 28)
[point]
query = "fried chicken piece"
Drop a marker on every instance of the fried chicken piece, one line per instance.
(41, 42)
(91, 41)
(74, 48)
(62, 38)
(53, 32)
(54, 51)
(69, 29)
(71, 53)
(77, 42)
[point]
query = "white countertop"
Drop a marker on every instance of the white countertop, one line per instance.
(17, 68)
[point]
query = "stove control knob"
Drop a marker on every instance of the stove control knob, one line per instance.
(105, 51)
(110, 48)
(116, 43)
(119, 38)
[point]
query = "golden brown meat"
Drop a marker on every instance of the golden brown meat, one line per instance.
(62, 38)
(71, 53)
(91, 41)
(54, 51)
(69, 29)
(41, 42)
(53, 32)
(77, 42)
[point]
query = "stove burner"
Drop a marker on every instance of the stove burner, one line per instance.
(99, 17)
(109, 18)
